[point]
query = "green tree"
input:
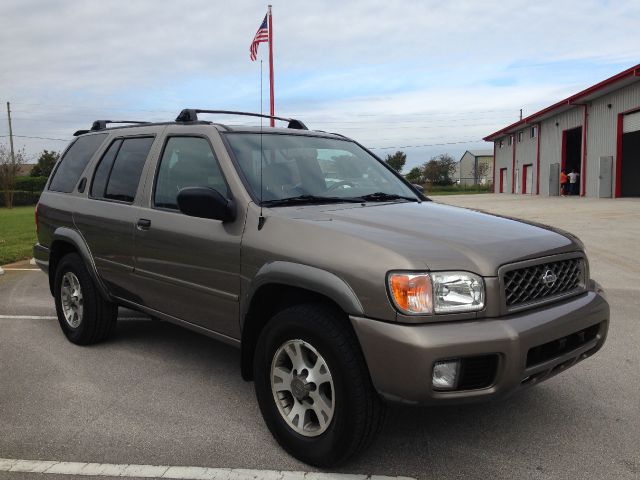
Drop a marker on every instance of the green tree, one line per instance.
(414, 175)
(397, 160)
(440, 169)
(45, 164)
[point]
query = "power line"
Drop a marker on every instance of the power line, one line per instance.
(172, 111)
(37, 138)
(427, 145)
(427, 126)
(415, 118)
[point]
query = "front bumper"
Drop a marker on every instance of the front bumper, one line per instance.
(401, 357)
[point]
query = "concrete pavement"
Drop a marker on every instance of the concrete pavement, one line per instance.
(160, 395)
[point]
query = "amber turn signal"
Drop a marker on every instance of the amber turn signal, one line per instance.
(412, 293)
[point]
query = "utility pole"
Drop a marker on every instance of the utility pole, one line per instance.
(520, 114)
(13, 159)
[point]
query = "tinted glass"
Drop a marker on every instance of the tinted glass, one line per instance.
(125, 173)
(186, 162)
(101, 176)
(294, 165)
(74, 161)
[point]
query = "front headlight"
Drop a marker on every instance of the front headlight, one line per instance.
(436, 292)
(457, 292)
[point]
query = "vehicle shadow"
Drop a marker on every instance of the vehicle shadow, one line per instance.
(493, 439)
(522, 436)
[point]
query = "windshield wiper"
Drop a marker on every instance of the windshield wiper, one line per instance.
(309, 199)
(383, 197)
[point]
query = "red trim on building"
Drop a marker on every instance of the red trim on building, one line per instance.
(630, 72)
(618, 192)
(583, 168)
(563, 152)
(513, 165)
(538, 161)
(524, 178)
(493, 186)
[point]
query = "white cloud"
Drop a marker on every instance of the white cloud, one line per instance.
(386, 73)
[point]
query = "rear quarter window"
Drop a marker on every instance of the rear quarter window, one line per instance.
(74, 161)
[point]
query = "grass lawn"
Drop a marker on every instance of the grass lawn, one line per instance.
(17, 233)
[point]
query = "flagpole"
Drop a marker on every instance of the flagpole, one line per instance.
(271, 67)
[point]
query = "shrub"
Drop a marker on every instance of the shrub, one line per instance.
(31, 184)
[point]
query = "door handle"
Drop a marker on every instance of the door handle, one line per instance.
(143, 224)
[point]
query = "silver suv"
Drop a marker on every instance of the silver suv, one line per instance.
(343, 286)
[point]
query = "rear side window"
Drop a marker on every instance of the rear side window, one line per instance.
(118, 173)
(74, 161)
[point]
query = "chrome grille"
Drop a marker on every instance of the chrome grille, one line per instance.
(537, 283)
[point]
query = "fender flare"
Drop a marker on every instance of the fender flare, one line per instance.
(306, 277)
(73, 237)
(293, 275)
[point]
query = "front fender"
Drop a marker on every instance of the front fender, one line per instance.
(306, 277)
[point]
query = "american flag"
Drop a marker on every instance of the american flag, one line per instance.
(262, 35)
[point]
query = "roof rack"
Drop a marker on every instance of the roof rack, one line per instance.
(102, 124)
(99, 125)
(191, 115)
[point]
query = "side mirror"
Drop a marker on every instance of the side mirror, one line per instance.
(417, 187)
(205, 202)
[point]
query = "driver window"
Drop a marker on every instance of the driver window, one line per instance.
(186, 162)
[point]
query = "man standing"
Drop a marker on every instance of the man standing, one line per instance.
(573, 182)
(563, 183)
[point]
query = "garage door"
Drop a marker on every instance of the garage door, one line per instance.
(630, 161)
(631, 123)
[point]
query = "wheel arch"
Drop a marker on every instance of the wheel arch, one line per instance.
(279, 285)
(66, 240)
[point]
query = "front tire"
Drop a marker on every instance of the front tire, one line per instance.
(313, 386)
(84, 316)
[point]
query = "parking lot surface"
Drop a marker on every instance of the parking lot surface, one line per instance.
(160, 395)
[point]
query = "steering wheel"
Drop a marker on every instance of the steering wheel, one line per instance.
(340, 184)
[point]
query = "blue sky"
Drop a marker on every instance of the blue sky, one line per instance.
(389, 74)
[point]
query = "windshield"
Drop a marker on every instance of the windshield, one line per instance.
(308, 168)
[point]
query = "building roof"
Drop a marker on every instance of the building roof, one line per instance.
(477, 153)
(622, 79)
(481, 153)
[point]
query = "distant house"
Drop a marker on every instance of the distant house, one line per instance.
(25, 169)
(475, 168)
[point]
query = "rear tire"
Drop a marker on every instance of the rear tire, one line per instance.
(84, 316)
(352, 411)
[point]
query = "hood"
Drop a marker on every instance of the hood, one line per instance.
(435, 236)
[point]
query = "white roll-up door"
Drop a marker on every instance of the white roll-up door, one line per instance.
(631, 122)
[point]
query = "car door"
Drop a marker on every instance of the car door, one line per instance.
(188, 267)
(106, 217)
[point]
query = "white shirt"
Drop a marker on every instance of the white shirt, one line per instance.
(573, 177)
